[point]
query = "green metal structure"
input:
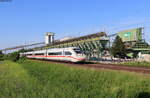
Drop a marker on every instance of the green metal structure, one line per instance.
(131, 35)
(134, 41)
(92, 45)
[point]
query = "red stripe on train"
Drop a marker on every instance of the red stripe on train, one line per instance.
(58, 56)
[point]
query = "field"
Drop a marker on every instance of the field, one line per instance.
(137, 64)
(40, 79)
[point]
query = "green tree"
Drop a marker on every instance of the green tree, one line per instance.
(14, 56)
(118, 48)
(1, 55)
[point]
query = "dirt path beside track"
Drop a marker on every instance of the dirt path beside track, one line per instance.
(145, 70)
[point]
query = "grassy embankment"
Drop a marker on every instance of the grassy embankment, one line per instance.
(136, 64)
(37, 79)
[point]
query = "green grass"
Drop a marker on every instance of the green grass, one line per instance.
(137, 64)
(39, 79)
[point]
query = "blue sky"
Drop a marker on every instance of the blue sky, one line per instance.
(26, 21)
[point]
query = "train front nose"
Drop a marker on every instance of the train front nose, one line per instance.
(81, 57)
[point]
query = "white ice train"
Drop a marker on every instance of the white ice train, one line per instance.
(71, 54)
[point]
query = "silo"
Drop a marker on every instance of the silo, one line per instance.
(49, 38)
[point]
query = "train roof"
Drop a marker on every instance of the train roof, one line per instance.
(63, 48)
(52, 49)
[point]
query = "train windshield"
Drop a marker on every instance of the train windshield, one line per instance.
(78, 51)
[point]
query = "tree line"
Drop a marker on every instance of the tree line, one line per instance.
(14, 56)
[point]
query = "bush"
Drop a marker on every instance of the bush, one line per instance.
(1, 56)
(13, 56)
(22, 59)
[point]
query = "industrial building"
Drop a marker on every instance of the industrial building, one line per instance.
(98, 45)
(135, 43)
(93, 44)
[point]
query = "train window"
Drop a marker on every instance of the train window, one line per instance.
(55, 53)
(78, 51)
(68, 53)
(51, 53)
(28, 54)
(39, 54)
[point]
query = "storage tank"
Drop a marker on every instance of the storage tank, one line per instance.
(49, 38)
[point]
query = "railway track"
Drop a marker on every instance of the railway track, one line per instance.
(144, 70)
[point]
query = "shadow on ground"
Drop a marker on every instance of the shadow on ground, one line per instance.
(143, 95)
